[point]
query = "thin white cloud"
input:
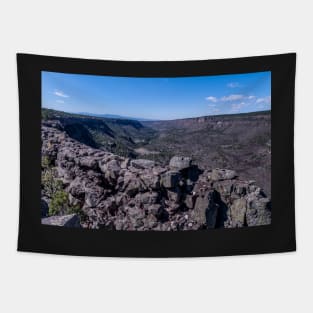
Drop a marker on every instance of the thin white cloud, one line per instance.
(214, 111)
(230, 98)
(236, 107)
(234, 97)
(237, 103)
(262, 103)
(60, 101)
(60, 93)
(211, 99)
(261, 106)
(233, 85)
(264, 100)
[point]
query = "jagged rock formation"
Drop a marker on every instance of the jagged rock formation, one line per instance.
(118, 193)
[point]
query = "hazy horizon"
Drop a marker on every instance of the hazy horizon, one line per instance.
(157, 98)
(147, 119)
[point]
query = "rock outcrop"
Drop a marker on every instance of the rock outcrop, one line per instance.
(71, 220)
(117, 193)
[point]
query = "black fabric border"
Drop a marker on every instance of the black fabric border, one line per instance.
(277, 237)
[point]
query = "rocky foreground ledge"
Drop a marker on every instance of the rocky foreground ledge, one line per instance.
(117, 193)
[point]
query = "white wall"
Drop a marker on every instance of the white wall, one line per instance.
(154, 30)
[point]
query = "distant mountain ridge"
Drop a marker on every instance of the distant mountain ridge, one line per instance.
(122, 117)
(114, 116)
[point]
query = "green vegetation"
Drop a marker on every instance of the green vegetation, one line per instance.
(44, 114)
(53, 189)
(46, 162)
(50, 184)
(58, 203)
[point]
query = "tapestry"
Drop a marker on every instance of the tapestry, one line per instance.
(156, 159)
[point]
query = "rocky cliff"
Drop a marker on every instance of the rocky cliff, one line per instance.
(239, 141)
(98, 189)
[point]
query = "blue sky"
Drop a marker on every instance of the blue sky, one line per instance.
(157, 98)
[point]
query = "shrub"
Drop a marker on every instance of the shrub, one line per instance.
(53, 189)
(46, 162)
(46, 114)
(49, 183)
(58, 203)
(75, 209)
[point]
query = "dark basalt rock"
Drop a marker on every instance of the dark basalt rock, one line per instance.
(222, 174)
(71, 220)
(180, 163)
(44, 208)
(116, 193)
(170, 179)
(205, 209)
(142, 163)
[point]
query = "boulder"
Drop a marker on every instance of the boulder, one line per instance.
(162, 214)
(221, 174)
(108, 205)
(153, 209)
(224, 187)
(193, 173)
(71, 220)
(111, 169)
(136, 216)
(241, 189)
(74, 201)
(125, 163)
(133, 187)
(238, 211)
(172, 208)
(151, 181)
(94, 176)
(205, 210)
(170, 179)
(89, 162)
(150, 222)
(190, 201)
(93, 196)
(259, 212)
(120, 199)
(147, 198)
(142, 163)
(179, 163)
(77, 188)
(174, 195)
